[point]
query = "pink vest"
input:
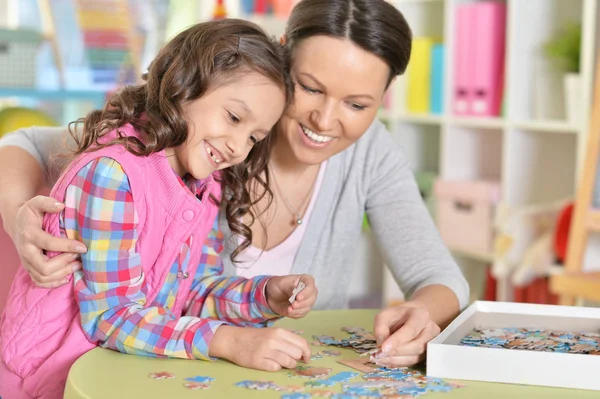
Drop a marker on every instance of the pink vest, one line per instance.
(41, 335)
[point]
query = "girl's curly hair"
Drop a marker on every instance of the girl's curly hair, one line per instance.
(204, 55)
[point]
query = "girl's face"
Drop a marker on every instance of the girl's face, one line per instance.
(339, 88)
(226, 122)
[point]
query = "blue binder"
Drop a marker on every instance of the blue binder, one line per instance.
(437, 79)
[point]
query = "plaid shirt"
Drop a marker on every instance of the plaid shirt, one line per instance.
(110, 289)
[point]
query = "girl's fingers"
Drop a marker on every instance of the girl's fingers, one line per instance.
(300, 343)
(282, 359)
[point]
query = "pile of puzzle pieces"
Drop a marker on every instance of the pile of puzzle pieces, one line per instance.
(534, 339)
(360, 340)
(382, 383)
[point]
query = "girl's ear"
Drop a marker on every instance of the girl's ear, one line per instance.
(283, 40)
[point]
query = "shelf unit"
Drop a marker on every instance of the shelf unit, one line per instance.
(531, 148)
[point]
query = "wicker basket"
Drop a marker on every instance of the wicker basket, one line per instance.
(18, 57)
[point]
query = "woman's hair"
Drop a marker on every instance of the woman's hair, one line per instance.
(200, 57)
(374, 25)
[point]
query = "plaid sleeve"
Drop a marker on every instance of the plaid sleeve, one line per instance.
(110, 289)
(236, 300)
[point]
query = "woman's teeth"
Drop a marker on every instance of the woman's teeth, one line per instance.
(212, 156)
(314, 136)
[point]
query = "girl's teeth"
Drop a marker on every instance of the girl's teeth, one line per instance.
(209, 151)
(316, 137)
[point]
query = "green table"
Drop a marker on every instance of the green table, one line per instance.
(107, 374)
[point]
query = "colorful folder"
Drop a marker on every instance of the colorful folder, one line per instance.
(463, 59)
(490, 37)
(419, 77)
(437, 79)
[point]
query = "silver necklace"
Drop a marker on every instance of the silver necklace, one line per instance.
(294, 212)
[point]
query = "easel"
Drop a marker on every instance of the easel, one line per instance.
(574, 282)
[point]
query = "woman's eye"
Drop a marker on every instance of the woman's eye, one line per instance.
(308, 89)
(253, 139)
(357, 107)
(234, 119)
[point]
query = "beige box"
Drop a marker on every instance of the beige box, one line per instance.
(465, 214)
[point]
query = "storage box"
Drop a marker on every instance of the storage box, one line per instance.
(18, 57)
(447, 359)
(465, 214)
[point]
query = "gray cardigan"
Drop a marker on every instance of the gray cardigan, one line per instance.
(371, 176)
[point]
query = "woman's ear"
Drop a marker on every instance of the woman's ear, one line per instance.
(283, 40)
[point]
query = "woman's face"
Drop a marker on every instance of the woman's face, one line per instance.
(339, 89)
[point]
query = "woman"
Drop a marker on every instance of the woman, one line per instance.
(332, 161)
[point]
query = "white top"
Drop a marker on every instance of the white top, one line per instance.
(278, 260)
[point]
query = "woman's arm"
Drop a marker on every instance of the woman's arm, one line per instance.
(21, 178)
(24, 157)
(407, 236)
(412, 248)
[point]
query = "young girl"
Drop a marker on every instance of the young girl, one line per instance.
(142, 194)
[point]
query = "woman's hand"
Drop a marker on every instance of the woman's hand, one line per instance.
(269, 349)
(402, 332)
(32, 241)
(281, 288)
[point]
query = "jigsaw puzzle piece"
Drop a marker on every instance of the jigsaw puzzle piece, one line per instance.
(200, 379)
(296, 395)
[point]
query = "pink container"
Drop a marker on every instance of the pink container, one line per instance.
(8, 265)
(465, 214)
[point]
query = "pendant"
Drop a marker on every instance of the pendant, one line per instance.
(299, 221)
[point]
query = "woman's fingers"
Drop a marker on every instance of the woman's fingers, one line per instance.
(48, 242)
(51, 273)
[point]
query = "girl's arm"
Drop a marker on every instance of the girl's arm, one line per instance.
(110, 288)
(237, 300)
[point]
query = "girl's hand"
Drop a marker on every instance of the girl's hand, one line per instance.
(31, 242)
(402, 332)
(269, 349)
(280, 289)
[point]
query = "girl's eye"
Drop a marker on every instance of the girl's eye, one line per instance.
(253, 139)
(308, 89)
(357, 107)
(234, 119)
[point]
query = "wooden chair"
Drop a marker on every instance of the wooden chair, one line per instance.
(574, 283)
